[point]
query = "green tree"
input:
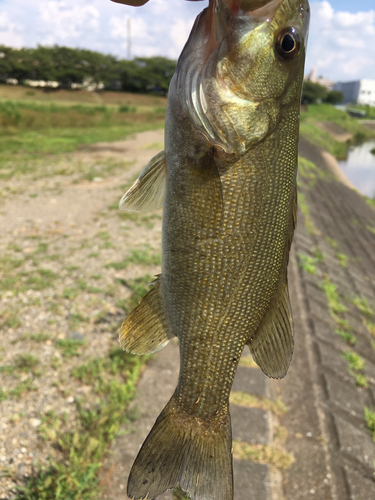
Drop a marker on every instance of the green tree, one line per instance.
(334, 97)
(313, 92)
(69, 65)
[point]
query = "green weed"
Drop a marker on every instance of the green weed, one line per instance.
(139, 287)
(25, 362)
(365, 308)
(69, 347)
(25, 386)
(10, 319)
(75, 476)
(42, 247)
(332, 295)
(39, 337)
(370, 420)
(307, 263)
(370, 327)
(243, 399)
(270, 455)
(178, 494)
(356, 367)
(138, 257)
(309, 171)
(355, 361)
(70, 293)
(310, 227)
(348, 337)
(343, 259)
(76, 318)
(332, 242)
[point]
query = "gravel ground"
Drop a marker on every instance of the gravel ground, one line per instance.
(61, 302)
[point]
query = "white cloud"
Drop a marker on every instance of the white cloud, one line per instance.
(8, 32)
(180, 31)
(341, 44)
(66, 21)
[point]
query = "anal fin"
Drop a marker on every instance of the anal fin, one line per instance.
(147, 193)
(272, 344)
(145, 330)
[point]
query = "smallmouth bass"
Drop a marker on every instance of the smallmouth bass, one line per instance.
(227, 182)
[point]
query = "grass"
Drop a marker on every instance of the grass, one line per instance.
(264, 454)
(330, 290)
(346, 336)
(26, 362)
(248, 361)
(309, 171)
(342, 259)
(10, 319)
(311, 229)
(83, 443)
(309, 263)
(320, 138)
(39, 337)
(138, 287)
(370, 327)
(356, 368)
(370, 420)
(178, 494)
(69, 347)
(365, 308)
(243, 399)
(19, 390)
(342, 327)
(18, 280)
(143, 257)
(30, 132)
(327, 113)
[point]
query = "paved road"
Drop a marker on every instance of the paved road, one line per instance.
(326, 433)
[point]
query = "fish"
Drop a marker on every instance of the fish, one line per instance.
(227, 183)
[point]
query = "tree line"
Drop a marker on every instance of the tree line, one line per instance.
(68, 66)
(313, 93)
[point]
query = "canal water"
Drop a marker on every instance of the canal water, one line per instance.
(359, 168)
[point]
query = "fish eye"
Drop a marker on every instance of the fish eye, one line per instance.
(288, 44)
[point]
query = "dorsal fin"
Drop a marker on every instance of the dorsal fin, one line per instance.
(147, 193)
(145, 330)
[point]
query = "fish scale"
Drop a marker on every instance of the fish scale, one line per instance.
(227, 179)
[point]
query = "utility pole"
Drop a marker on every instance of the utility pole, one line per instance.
(129, 38)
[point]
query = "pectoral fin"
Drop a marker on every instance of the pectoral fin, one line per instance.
(272, 344)
(145, 330)
(147, 193)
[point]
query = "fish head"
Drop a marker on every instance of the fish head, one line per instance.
(242, 69)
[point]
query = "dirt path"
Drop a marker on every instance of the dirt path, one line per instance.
(70, 262)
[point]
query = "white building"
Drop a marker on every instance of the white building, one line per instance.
(359, 92)
(41, 83)
(324, 82)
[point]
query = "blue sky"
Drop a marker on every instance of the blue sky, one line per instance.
(341, 42)
(353, 6)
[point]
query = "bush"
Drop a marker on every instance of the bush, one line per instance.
(334, 97)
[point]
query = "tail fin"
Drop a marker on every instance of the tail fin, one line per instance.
(182, 451)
